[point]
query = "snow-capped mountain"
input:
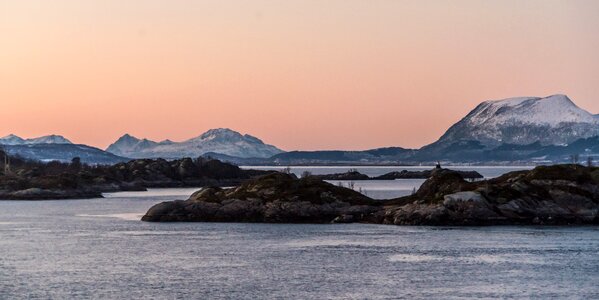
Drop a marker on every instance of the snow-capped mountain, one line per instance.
(221, 140)
(552, 120)
(63, 152)
(56, 147)
(12, 139)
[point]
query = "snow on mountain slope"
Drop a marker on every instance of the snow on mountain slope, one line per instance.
(49, 139)
(12, 139)
(551, 110)
(551, 120)
(221, 140)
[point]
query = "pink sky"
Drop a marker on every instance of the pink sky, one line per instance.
(297, 74)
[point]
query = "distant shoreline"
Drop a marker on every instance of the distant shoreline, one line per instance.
(391, 165)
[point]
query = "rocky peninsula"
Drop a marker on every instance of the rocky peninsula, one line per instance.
(556, 195)
(31, 180)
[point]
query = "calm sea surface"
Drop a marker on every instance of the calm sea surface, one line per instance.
(98, 248)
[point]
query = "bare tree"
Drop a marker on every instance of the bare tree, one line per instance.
(306, 174)
(574, 158)
(351, 185)
(286, 170)
(590, 161)
(76, 163)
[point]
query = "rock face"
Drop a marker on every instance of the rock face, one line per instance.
(274, 198)
(562, 194)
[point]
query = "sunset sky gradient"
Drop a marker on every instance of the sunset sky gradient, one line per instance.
(297, 74)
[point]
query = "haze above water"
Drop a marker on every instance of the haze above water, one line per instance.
(98, 248)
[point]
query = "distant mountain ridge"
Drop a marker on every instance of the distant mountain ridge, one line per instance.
(389, 154)
(513, 130)
(221, 140)
(12, 139)
(56, 147)
(522, 130)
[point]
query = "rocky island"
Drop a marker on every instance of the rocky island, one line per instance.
(557, 195)
(274, 198)
(353, 174)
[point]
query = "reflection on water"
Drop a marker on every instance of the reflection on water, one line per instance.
(99, 249)
(155, 192)
(123, 216)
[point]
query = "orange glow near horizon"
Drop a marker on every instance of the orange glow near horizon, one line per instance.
(297, 74)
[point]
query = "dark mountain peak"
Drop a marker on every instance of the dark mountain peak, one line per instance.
(127, 138)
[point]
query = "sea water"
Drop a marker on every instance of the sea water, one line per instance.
(98, 248)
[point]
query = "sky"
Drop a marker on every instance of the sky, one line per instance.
(297, 74)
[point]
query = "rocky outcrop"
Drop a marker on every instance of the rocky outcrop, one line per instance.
(49, 194)
(274, 198)
(562, 194)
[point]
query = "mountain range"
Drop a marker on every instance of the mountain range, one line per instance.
(515, 130)
(221, 140)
